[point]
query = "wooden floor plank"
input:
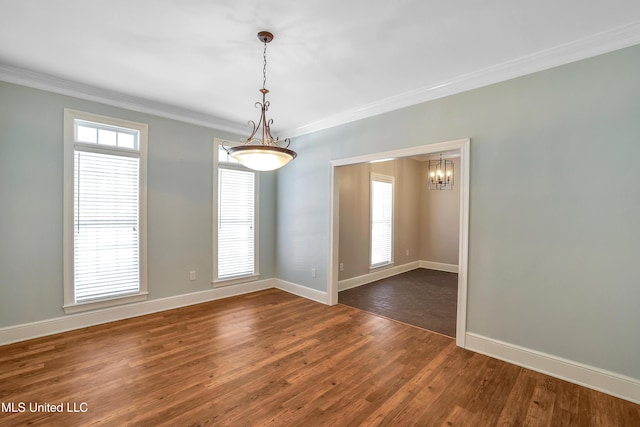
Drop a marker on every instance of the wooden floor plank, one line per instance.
(540, 408)
(466, 381)
(271, 358)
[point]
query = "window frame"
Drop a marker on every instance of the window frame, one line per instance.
(70, 304)
(217, 164)
(390, 180)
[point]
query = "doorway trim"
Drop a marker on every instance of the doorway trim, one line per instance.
(463, 247)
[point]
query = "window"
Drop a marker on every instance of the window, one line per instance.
(381, 220)
(104, 211)
(235, 230)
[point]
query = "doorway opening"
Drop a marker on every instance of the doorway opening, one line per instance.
(458, 148)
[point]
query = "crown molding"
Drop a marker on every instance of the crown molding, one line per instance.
(597, 44)
(36, 80)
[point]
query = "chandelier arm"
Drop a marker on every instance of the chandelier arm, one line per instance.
(253, 132)
(268, 138)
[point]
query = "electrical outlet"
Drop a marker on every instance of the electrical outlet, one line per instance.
(342, 266)
(407, 252)
(192, 275)
(313, 273)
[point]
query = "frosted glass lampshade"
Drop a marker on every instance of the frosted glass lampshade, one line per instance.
(262, 157)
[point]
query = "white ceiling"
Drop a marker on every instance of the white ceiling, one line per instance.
(332, 61)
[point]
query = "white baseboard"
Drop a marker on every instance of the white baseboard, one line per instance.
(598, 379)
(588, 376)
(354, 282)
(449, 268)
(302, 291)
(56, 325)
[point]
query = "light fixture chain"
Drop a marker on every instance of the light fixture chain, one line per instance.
(264, 67)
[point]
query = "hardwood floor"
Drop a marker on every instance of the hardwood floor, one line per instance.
(271, 358)
(421, 297)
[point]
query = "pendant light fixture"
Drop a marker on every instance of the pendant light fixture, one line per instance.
(261, 151)
(440, 174)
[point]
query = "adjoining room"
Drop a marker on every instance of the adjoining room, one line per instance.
(399, 239)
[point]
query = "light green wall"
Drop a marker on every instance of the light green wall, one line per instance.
(554, 204)
(179, 203)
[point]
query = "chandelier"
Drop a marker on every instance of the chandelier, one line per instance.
(440, 174)
(261, 151)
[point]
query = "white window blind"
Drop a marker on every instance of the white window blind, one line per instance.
(104, 244)
(236, 223)
(381, 220)
(106, 250)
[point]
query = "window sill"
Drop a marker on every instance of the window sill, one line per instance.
(220, 283)
(94, 305)
(374, 268)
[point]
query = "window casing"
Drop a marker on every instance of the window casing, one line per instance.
(381, 250)
(235, 228)
(104, 211)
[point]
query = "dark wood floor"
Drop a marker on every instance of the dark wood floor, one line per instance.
(271, 358)
(421, 297)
